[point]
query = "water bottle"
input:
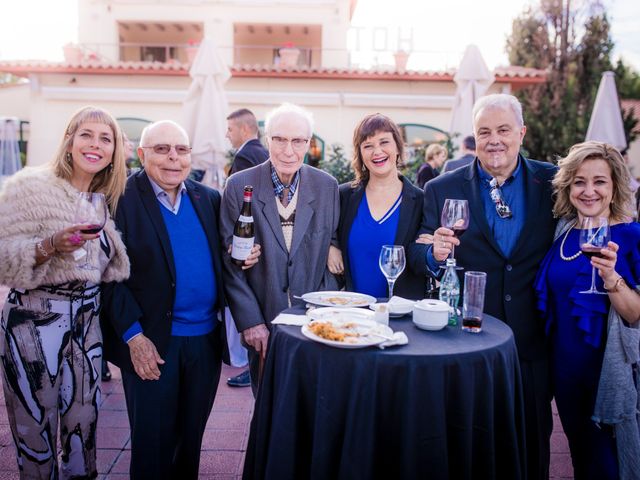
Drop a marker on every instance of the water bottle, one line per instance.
(450, 290)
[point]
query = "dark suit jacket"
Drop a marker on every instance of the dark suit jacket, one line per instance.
(458, 162)
(250, 155)
(148, 295)
(509, 293)
(411, 284)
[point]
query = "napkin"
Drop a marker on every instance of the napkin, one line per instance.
(396, 301)
(290, 319)
(399, 338)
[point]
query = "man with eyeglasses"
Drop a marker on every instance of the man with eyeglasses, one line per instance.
(161, 326)
(295, 213)
(510, 230)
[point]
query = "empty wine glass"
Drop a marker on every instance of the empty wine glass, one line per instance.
(455, 216)
(594, 236)
(392, 262)
(91, 211)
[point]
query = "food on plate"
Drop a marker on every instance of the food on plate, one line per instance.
(327, 330)
(344, 301)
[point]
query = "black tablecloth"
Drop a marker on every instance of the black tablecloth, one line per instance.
(448, 405)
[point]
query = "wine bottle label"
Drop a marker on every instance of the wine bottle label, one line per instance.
(244, 219)
(241, 247)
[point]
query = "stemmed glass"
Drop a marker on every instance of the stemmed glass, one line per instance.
(455, 216)
(91, 211)
(392, 262)
(594, 236)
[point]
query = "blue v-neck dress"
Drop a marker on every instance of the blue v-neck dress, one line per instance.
(366, 239)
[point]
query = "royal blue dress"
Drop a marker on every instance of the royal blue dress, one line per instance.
(576, 324)
(366, 239)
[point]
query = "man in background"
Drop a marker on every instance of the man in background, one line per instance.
(243, 133)
(468, 154)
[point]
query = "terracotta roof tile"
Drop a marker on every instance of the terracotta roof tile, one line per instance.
(633, 105)
(519, 75)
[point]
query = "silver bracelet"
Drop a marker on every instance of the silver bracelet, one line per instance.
(41, 249)
(53, 247)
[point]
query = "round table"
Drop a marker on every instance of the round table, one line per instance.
(448, 405)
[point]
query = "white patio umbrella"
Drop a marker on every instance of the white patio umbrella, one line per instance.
(204, 112)
(10, 161)
(473, 78)
(606, 118)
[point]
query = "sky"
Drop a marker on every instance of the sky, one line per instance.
(437, 31)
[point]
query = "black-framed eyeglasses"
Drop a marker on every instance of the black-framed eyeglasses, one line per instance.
(502, 208)
(164, 148)
(296, 143)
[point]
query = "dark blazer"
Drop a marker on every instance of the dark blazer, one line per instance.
(509, 292)
(455, 163)
(250, 155)
(259, 294)
(148, 294)
(411, 284)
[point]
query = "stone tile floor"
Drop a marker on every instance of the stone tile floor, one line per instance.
(225, 439)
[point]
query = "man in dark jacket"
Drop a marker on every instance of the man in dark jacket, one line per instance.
(511, 227)
(243, 133)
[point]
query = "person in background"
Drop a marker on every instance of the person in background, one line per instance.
(295, 212)
(51, 347)
(435, 156)
(380, 207)
(243, 133)
(468, 154)
(510, 231)
(592, 181)
(162, 326)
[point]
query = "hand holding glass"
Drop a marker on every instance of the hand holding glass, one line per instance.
(392, 262)
(594, 236)
(91, 211)
(455, 216)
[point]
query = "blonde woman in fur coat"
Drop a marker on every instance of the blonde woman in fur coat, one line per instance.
(51, 343)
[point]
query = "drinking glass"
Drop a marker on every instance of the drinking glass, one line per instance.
(392, 262)
(455, 216)
(594, 236)
(91, 211)
(473, 301)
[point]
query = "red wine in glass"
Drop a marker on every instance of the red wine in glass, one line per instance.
(472, 323)
(590, 251)
(93, 229)
(457, 231)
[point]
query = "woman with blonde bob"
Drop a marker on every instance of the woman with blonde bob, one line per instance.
(435, 156)
(51, 345)
(593, 381)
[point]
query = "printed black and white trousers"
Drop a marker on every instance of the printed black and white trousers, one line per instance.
(51, 352)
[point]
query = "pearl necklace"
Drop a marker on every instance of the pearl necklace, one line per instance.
(572, 257)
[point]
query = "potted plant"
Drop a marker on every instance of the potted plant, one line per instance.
(192, 50)
(401, 57)
(72, 53)
(288, 55)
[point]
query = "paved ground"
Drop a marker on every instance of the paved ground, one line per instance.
(225, 439)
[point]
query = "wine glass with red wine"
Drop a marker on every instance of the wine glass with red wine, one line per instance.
(91, 210)
(455, 216)
(594, 236)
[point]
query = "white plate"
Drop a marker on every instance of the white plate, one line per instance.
(395, 314)
(339, 299)
(362, 328)
(340, 314)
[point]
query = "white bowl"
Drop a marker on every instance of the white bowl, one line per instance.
(431, 314)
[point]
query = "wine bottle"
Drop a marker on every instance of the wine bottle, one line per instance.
(243, 235)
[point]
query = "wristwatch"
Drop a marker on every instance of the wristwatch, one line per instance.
(616, 285)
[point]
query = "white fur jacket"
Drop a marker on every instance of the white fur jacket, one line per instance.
(35, 204)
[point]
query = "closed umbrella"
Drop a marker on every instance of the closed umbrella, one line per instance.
(606, 118)
(204, 113)
(10, 161)
(473, 79)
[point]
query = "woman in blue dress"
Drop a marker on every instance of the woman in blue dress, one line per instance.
(592, 181)
(380, 207)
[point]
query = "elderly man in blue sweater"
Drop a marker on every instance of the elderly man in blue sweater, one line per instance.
(162, 326)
